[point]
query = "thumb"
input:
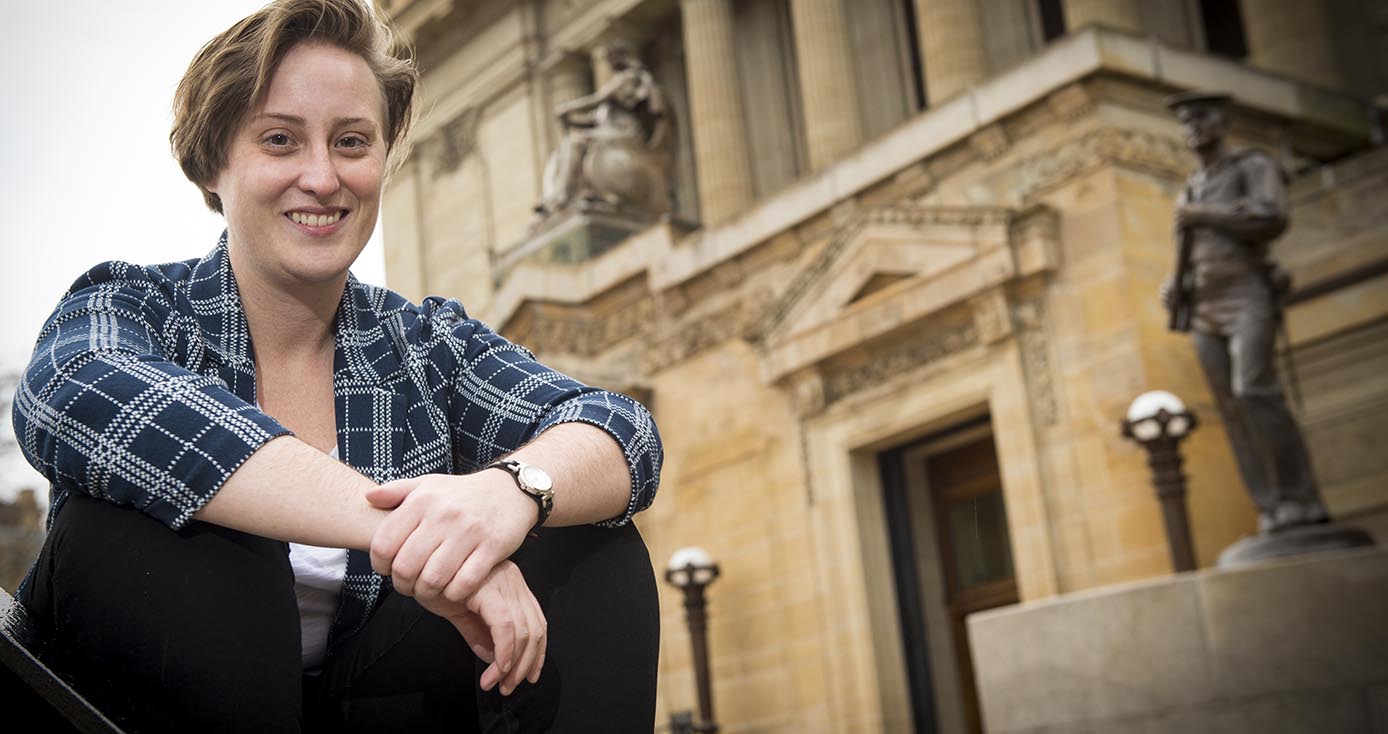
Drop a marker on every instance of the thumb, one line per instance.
(388, 496)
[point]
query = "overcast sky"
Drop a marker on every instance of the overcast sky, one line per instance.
(86, 92)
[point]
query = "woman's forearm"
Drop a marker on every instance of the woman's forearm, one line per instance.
(288, 490)
(591, 479)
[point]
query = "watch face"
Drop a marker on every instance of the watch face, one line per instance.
(536, 478)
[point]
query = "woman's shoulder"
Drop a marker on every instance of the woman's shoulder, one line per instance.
(163, 279)
(389, 305)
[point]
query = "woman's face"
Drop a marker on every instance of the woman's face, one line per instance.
(302, 182)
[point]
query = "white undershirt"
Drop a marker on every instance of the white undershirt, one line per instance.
(318, 575)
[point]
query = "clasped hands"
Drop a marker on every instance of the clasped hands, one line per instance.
(446, 543)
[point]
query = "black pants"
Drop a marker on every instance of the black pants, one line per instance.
(199, 631)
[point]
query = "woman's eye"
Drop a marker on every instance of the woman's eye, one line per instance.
(352, 142)
(277, 140)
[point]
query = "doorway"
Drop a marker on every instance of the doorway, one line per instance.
(952, 556)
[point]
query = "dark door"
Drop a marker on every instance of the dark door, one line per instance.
(949, 539)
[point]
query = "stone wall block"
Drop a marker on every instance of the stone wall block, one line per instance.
(1299, 624)
(1291, 646)
(1112, 657)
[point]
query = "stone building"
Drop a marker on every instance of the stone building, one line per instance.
(904, 297)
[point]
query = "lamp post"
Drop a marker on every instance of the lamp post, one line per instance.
(691, 570)
(1158, 421)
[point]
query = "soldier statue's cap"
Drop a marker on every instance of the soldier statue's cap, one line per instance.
(1204, 99)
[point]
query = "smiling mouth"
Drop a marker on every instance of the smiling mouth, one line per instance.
(316, 220)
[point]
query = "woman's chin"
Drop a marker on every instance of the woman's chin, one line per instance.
(319, 270)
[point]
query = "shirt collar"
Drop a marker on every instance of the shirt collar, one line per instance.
(364, 354)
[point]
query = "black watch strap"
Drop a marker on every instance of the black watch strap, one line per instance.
(543, 500)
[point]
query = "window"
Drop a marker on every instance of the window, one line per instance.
(1051, 17)
(1223, 28)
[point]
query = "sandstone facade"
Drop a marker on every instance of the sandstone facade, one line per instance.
(860, 277)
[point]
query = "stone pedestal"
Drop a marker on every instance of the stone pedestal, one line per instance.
(1293, 541)
(570, 237)
(1298, 645)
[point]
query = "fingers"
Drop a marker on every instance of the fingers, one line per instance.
(517, 627)
(502, 626)
(388, 496)
(414, 555)
(534, 657)
(390, 535)
(439, 570)
(471, 575)
(531, 658)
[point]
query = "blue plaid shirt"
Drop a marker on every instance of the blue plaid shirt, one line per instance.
(141, 392)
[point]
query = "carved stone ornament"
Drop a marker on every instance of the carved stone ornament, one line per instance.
(990, 142)
(991, 317)
(733, 321)
(1047, 170)
(909, 215)
(929, 345)
(1070, 102)
(452, 143)
(1036, 360)
(807, 392)
(614, 155)
(584, 334)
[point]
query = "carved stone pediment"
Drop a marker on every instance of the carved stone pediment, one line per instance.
(891, 267)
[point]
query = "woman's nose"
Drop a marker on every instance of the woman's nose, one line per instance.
(319, 173)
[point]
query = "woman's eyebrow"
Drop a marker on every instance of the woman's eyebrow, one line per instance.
(296, 120)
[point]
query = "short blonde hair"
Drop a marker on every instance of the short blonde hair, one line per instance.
(231, 75)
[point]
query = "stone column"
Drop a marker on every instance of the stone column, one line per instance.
(825, 63)
(1121, 14)
(951, 47)
(715, 110)
(1291, 38)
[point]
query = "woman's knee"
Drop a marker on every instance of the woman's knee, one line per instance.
(199, 623)
(597, 588)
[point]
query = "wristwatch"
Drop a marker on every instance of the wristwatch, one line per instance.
(533, 481)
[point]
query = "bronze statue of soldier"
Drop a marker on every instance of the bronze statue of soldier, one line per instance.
(1228, 294)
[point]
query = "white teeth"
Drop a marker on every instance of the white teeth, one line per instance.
(315, 220)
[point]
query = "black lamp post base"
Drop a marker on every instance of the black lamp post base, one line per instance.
(682, 722)
(1292, 541)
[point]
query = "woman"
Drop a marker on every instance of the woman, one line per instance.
(195, 417)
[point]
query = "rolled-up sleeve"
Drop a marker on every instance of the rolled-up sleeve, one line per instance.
(501, 397)
(106, 408)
